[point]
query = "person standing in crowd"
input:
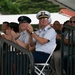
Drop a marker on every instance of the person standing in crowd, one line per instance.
(57, 27)
(70, 46)
(4, 26)
(65, 23)
(44, 39)
(57, 55)
(13, 27)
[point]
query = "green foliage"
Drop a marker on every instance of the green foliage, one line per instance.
(37, 0)
(7, 7)
(26, 6)
(34, 7)
(36, 27)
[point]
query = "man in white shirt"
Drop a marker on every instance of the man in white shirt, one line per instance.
(44, 39)
(22, 40)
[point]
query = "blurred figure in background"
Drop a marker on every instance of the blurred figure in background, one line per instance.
(57, 26)
(4, 26)
(54, 62)
(68, 42)
(13, 27)
(65, 23)
(69, 47)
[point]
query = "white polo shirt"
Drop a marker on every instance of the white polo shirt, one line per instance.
(49, 33)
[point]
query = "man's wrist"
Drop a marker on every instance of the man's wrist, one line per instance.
(17, 37)
(32, 32)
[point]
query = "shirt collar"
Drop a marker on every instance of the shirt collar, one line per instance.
(23, 32)
(40, 30)
(47, 27)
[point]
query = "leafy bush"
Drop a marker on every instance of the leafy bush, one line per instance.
(27, 6)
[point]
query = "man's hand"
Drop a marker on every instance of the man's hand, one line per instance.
(29, 29)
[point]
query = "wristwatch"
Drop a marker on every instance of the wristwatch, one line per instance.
(32, 32)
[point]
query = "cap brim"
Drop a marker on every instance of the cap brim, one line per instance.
(42, 16)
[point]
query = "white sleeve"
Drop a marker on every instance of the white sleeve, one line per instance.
(50, 34)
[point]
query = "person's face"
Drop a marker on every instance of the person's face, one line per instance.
(72, 22)
(23, 26)
(57, 25)
(4, 27)
(43, 22)
(8, 31)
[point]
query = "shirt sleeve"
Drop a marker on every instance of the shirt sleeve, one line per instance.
(50, 34)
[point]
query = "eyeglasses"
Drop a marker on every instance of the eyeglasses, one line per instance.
(72, 21)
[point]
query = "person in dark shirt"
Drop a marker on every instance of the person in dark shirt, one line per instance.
(4, 26)
(56, 54)
(57, 27)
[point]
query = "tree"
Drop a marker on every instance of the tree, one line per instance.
(8, 7)
(26, 6)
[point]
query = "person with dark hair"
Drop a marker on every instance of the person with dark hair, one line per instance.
(13, 27)
(57, 26)
(10, 28)
(68, 43)
(4, 26)
(65, 23)
(69, 48)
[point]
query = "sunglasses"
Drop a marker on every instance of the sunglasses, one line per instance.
(72, 21)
